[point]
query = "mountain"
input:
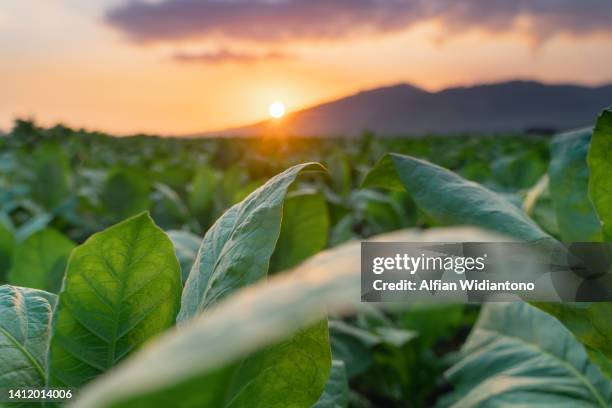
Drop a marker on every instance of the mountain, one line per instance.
(515, 106)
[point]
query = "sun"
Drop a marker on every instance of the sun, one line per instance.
(277, 110)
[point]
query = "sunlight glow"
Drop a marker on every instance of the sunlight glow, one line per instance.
(277, 110)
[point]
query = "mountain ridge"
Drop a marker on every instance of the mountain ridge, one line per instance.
(407, 110)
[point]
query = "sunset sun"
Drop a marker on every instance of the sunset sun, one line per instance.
(277, 110)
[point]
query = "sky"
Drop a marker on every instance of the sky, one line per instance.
(177, 67)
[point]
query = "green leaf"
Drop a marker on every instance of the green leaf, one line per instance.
(252, 234)
(234, 179)
(168, 207)
(124, 194)
(352, 346)
(380, 212)
(190, 365)
(435, 322)
(518, 170)
(600, 168)
(292, 373)
(25, 324)
(604, 363)
(339, 166)
(336, 394)
(342, 231)
(451, 199)
(7, 246)
(244, 191)
(384, 174)
(39, 261)
(122, 287)
(236, 250)
(51, 171)
(569, 183)
(186, 245)
(518, 356)
(202, 195)
(590, 323)
(304, 230)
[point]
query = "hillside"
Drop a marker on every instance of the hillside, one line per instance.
(515, 106)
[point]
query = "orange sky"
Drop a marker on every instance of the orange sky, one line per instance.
(62, 62)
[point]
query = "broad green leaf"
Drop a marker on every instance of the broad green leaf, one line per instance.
(292, 373)
(122, 287)
(200, 356)
(336, 394)
(7, 246)
(449, 198)
(124, 194)
(25, 325)
(186, 245)
(236, 250)
(590, 323)
(518, 356)
(569, 182)
(600, 169)
(304, 230)
(39, 261)
(271, 372)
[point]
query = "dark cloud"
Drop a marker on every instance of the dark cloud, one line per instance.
(227, 56)
(541, 18)
(260, 20)
(275, 20)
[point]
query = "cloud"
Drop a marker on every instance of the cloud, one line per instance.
(259, 20)
(227, 56)
(269, 21)
(541, 18)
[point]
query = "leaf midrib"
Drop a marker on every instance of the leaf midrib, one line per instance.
(111, 358)
(25, 352)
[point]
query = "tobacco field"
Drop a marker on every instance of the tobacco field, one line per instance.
(149, 271)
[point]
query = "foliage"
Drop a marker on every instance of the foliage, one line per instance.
(122, 287)
(25, 325)
(519, 356)
(253, 248)
(39, 261)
